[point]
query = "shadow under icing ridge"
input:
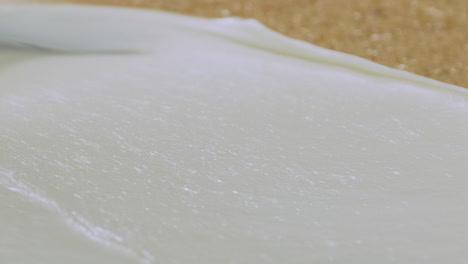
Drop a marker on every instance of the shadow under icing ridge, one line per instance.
(12, 54)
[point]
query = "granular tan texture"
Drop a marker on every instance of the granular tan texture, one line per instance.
(427, 37)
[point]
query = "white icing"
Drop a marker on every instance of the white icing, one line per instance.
(139, 136)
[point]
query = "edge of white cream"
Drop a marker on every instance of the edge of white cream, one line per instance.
(249, 32)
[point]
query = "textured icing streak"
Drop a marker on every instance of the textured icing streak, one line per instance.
(73, 219)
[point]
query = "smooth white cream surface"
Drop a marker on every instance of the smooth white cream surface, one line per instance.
(132, 136)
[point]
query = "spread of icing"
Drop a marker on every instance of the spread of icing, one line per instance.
(140, 136)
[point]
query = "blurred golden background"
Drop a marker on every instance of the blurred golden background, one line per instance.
(427, 37)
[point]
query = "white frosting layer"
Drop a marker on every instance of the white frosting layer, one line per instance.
(139, 136)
